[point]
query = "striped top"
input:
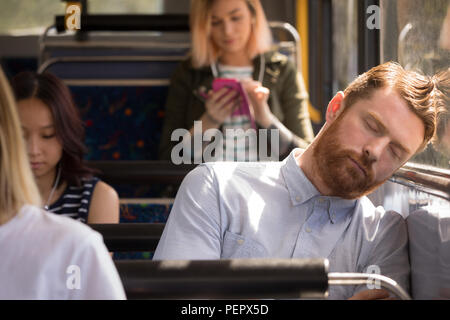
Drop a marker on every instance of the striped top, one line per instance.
(75, 201)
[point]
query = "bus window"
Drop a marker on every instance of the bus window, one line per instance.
(415, 33)
(124, 7)
(345, 43)
(22, 17)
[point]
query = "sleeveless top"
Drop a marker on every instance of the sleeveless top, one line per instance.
(75, 201)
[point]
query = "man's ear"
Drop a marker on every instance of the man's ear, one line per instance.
(335, 106)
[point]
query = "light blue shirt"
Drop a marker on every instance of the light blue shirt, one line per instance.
(270, 209)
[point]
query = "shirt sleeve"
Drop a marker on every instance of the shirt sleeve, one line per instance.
(192, 231)
(99, 279)
(389, 254)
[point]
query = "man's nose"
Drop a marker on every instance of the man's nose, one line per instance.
(375, 147)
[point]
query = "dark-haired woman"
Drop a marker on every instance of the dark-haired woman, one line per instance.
(54, 135)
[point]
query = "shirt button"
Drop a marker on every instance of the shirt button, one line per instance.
(240, 241)
(297, 198)
(321, 200)
(308, 230)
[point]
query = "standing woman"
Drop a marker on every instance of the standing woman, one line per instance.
(54, 135)
(232, 39)
(43, 256)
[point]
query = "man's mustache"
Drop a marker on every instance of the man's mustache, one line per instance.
(363, 161)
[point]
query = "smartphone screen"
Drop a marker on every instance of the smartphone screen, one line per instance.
(244, 108)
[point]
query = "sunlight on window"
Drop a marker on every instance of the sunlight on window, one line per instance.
(25, 17)
(416, 34)
(345, 43)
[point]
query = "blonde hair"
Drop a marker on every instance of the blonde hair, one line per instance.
(204, 52)
(17, 185)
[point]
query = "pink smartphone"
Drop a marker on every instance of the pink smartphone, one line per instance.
(244, 108)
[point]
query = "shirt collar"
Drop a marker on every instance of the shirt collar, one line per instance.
(301, 190)
(299, 187)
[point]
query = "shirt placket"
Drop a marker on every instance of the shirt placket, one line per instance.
(307, 241)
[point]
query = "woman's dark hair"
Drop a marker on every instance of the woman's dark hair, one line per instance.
(67, 121)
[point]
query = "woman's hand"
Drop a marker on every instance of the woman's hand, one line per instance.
(258, 96)
(219, 106)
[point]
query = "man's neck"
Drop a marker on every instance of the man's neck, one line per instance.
(310, 168)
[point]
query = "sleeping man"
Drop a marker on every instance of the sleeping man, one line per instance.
(313, 204)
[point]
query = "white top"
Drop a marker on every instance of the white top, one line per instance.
(45, 256)
(227, 210)
(237, 145)
(238, 73)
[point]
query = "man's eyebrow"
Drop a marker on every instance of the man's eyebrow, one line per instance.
(385, 130)
(229, 13)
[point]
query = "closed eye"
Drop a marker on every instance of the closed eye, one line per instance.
(371, 126)
(394, 152)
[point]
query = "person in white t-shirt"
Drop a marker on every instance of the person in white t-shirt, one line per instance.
(44, 256)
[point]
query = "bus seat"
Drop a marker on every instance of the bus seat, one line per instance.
(429, 250)
(427, 214)
(147, 210)
(122, 123)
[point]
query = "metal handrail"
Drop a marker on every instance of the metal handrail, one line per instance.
(239, 278)
(117, 82)
(226, 278)
(41, 40)
(96, 59)
(272, 24)
(296, 37)
(350, 279)
(438, 185)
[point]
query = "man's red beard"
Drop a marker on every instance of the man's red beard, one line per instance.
(338, 167)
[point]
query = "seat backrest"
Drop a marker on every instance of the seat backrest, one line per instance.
(428, 223)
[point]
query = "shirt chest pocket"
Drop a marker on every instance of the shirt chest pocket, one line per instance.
(236, 246)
